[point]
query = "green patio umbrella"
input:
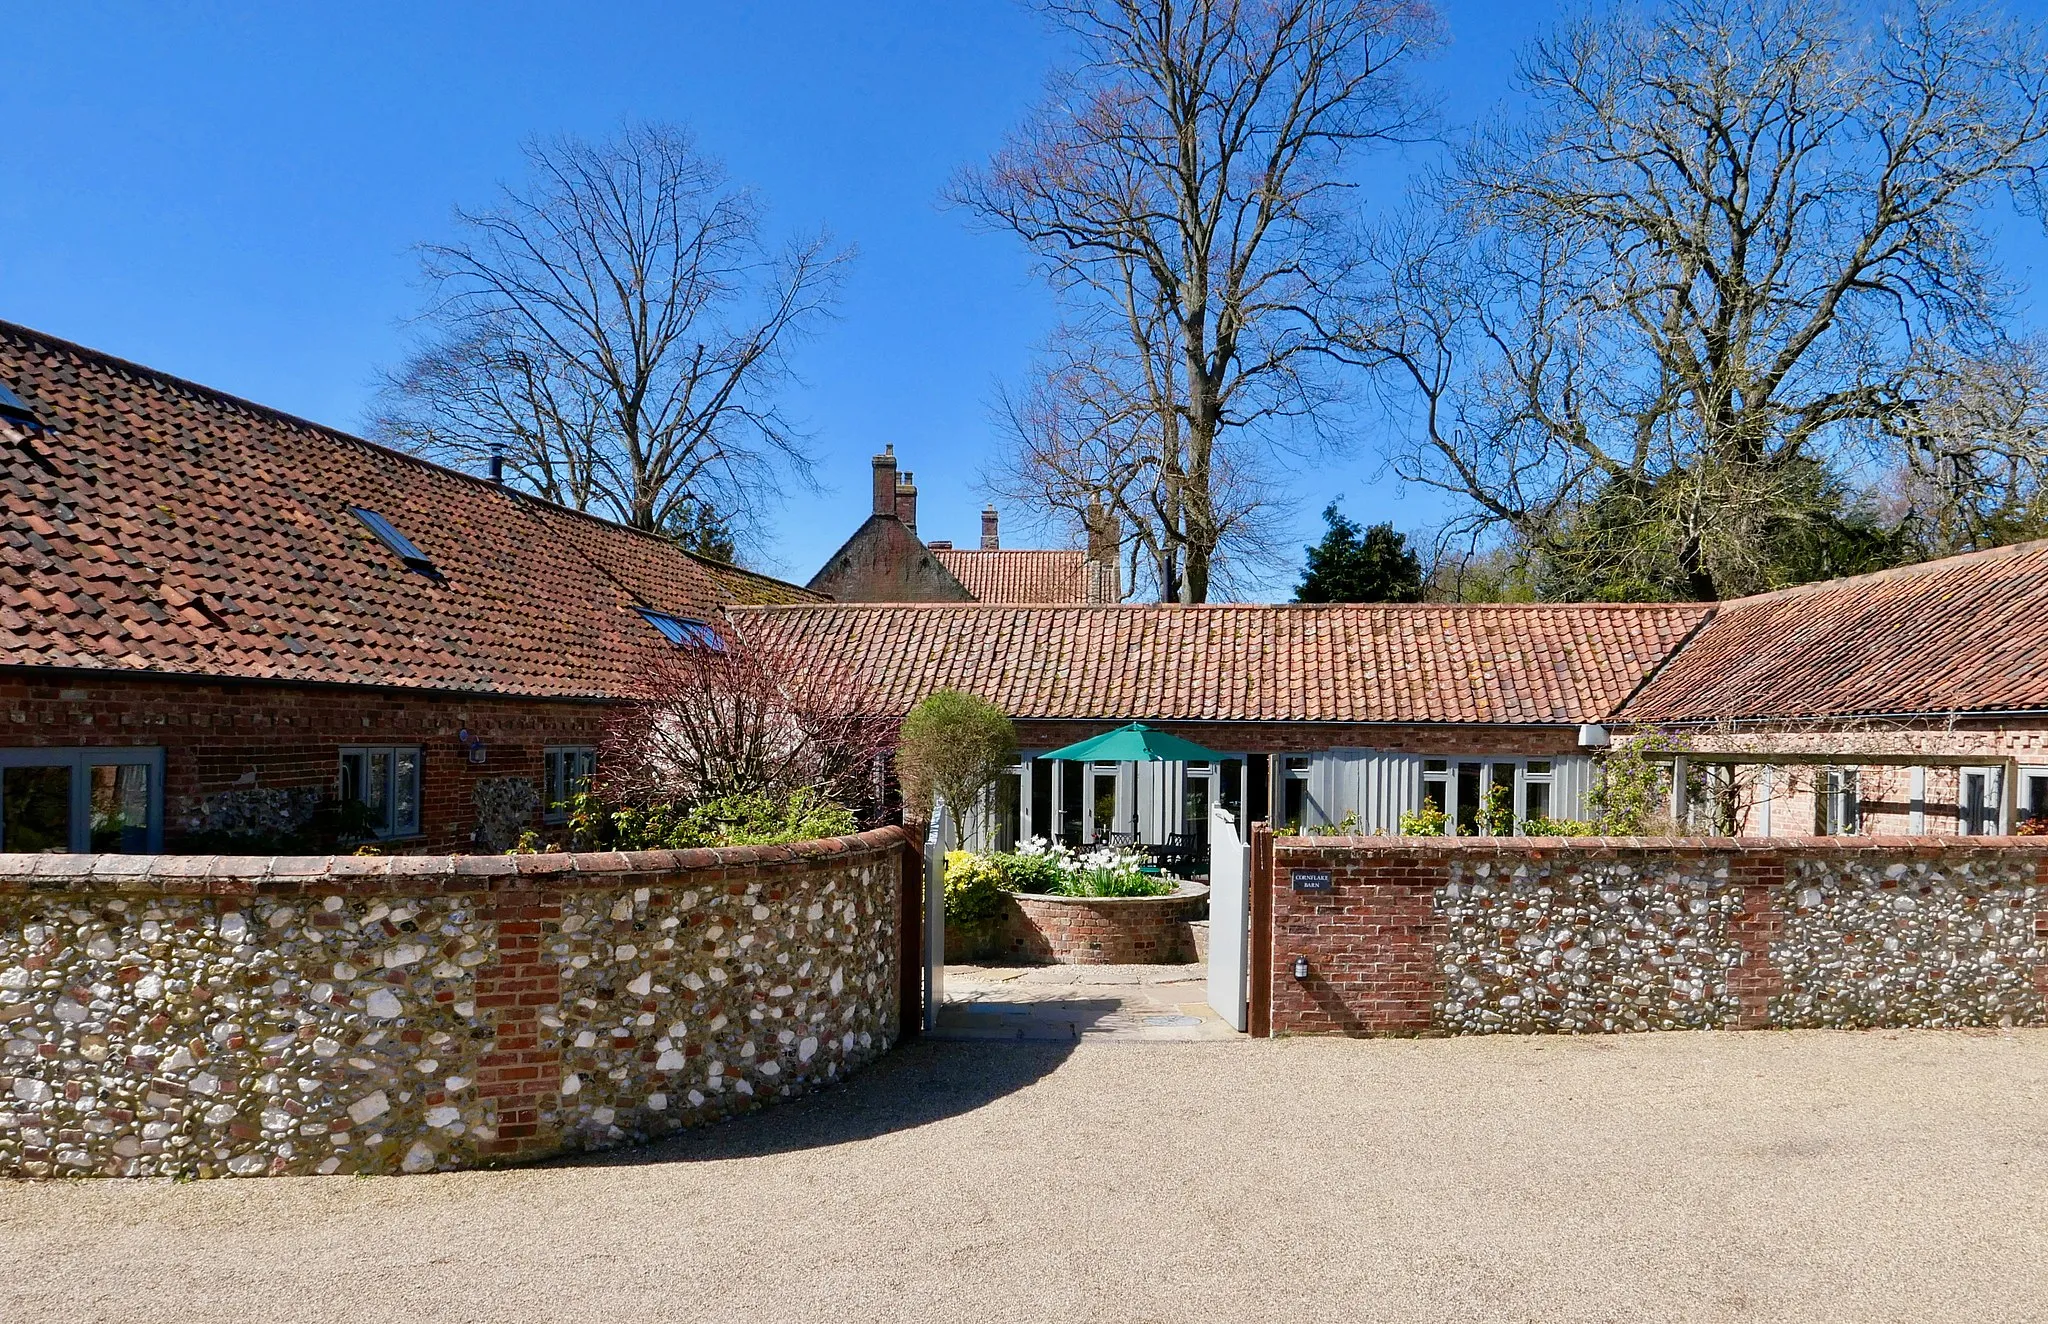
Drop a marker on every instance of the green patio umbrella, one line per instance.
(1136, 743)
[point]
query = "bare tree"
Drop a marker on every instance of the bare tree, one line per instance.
(617, 330)
(1652, 325)
(1082, 445)
(745, 717)
(1180, 188)
(1974, 472)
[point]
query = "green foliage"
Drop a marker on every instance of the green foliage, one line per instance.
(1375, 565)
(1497, 812)
(974, 888)
(1636, 541)
(952, 746)
(1346, 826)
(1557, 827)
(1630, 795)
(758, 819)
(1428, 821)
(697, 528)
(1051, 869)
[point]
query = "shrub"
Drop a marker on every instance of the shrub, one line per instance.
(1034, 868)
(974, 889)
(1630, 794)
(952, 747)
(1049, 869)
(717, 720)
(1428, 821)
(1557, 827)
(734, 820)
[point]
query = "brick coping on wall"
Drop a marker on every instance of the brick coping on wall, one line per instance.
(406, 875)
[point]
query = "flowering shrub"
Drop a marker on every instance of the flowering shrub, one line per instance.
(974, 892)
(1428, 821)
(1049, 868)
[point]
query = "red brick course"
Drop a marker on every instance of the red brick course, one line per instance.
(1103, 930)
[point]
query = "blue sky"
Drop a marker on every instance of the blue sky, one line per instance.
(230, 193)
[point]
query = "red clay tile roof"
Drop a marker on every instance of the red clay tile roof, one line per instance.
(155, 525)
(1959, 635)
(1055, 577)
(1505, 664)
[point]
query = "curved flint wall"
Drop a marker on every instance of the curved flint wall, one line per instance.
(203, 1016)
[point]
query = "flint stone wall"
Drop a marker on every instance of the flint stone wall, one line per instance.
(199, 1016)
(1528, 936)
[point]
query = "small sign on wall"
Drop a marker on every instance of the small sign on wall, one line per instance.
(1310, 880)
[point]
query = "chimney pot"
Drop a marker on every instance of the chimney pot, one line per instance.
(906, 501)
(885, 481)
(991, 540)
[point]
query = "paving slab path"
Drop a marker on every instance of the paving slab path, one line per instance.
(1806, 1176)
(1158, 1003)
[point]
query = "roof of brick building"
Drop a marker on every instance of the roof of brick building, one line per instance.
(1048, 577)
(1962, 634)
(158, 526)
(1483, 664)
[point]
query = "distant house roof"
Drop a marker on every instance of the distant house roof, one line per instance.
(1040, 577)
(1964, 634)
(153, 525)
(1467, 664)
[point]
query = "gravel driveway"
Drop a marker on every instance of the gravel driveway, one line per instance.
(1794, 1176)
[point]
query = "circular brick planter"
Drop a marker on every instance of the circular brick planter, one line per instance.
(1122, 930)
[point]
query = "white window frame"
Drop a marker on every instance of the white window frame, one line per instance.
(1994, 800)
(1839, 793)
(554, 788)
(81, 760)
(2028, 774)
(389, 830)
(1518, 794)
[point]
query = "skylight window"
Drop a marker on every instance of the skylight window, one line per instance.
(14, 409)
(684, 631)
(414, 558)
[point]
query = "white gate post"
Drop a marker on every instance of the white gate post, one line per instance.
(1230, 867)
(937, 841)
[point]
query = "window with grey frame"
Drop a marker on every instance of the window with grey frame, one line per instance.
(1464, 791)
(104, 801)
(1980, 800)
(385, 781)
(567, 770)
(1837, 803)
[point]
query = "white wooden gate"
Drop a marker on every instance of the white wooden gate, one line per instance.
(942, 838)
(1230, 914)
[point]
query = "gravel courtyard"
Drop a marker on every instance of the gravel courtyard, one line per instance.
(1795, 1176)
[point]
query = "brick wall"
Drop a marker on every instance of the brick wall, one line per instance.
(1103, 930)
(1426, 935)
(210, 1016)
(235, 738)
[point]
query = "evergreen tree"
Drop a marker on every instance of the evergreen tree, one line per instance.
(697, 528)
(1353, 565)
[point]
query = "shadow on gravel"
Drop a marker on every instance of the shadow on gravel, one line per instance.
(921, 1082)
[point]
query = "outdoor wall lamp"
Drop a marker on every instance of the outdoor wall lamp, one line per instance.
(1301, 967)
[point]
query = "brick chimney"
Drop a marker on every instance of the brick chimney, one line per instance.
(991, 541)
(1104, 546)
(906, 501)
(885, 481)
